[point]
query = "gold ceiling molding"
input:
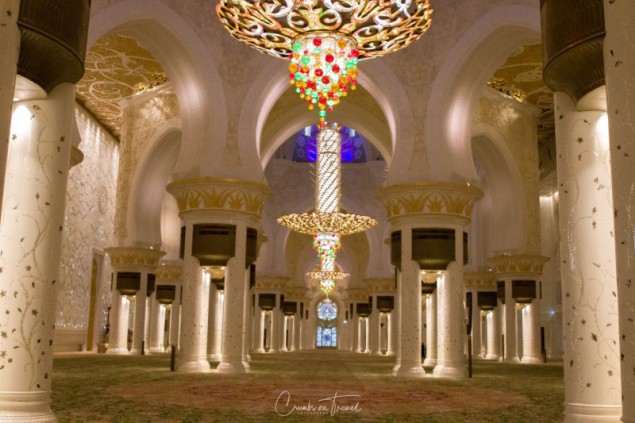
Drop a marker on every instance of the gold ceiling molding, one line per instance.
(525, 264)
(134, 256)
(295, 294)
(116, 68)
(264, 282)
(480, 279)
(430, 198)
(169, 273)
(379, 285)
(520, 77)
(219, 194)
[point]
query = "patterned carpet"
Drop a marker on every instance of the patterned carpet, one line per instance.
(300, 387)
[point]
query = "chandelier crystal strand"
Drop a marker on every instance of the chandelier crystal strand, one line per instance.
(327, 197)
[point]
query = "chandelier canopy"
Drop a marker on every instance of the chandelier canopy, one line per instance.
(374, 27)
(325, 39)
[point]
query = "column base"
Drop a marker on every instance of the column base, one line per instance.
(195, 366)
(430, 362)
(227, 367)
(156, 350)
(590, 413)
(491, 357)
(119, 351)
(390, 353)
(450, 372)
(408, 370)
(213, 357)
(510, 360)
(135, 352)
(377, 353)
(259, 351)
(531, 360)
(23, 407)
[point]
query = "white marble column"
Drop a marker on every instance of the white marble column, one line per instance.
(409, 355)
(531, 332)
(30, 240)
(233, 324)
(259, 327)
(589, 287)
(285, 333)
(390, 334)
(431, 332)
(493, 335)
(193, 352)
(383, 333)
(451, 318)
(139, 327)
(374, 334)
(394, 330)
(274, 339)
(175, 318)
(9, 51)
(247, 321)
(119, 312)
(296, 330)
(212, 344)
(157, 327)
(361, 335)
(510, 324)
(477, 347)
(619, 62)
(355, 332)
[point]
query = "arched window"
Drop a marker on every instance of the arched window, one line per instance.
(327, 324)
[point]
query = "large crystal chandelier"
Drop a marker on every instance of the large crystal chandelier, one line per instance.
(325, 39)
(327, 223)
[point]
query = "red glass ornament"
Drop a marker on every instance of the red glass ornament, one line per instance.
(317, 41)
(329, 58)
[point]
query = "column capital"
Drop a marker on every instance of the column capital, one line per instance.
(219, 195)
(521, 265)
(448, 202)
(480, 279)
(380, 285)
(264, 282)
(169, 273)
(357, 294)
(134, 257)
(295, 293)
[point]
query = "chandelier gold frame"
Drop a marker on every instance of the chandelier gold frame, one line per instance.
(378, 27)
(326, 275)
(312, 223)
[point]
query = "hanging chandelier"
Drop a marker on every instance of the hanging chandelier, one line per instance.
(325, 39)
(327, 223)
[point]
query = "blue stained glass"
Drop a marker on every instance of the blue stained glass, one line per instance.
(327, 310)
(305, 149)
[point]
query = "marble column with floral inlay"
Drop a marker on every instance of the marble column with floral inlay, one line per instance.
(259, 327)
(417, 205)
(9, 51)
(619, 62)
(212, 314)
(587, 248)
(374, 333)
(30, 236)
(431, 330)
(493, 334)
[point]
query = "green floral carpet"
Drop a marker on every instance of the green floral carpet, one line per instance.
(324, 386)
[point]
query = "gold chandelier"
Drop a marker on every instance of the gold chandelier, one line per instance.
(325, 39)
(327, 223)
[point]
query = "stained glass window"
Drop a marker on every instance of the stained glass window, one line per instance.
(326, 336)
(327, 310)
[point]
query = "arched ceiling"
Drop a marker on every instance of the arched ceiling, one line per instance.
(358, 106)
(520, 77)
(116, 67)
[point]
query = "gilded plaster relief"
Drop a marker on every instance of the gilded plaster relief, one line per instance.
(117, 67)
(518, 130)
(89, 223)
(144, 117)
